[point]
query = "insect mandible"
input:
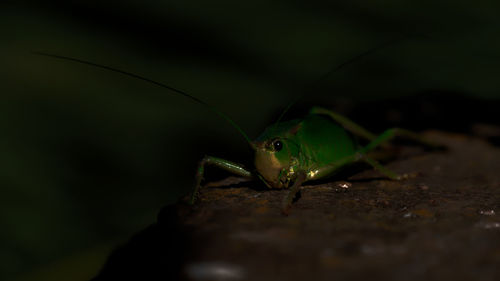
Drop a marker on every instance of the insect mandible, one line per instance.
(290, 153)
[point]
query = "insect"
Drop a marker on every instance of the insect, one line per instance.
(290, 153)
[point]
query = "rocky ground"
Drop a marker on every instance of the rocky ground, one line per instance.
(440, 223)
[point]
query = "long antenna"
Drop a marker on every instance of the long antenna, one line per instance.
(139, 77)
(336, 68)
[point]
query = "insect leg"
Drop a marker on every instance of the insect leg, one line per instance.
(377, 166)
(345, 122)
(397, 132)
(333, 167)
(359, 131)
(384, 138)
(287, 202)
(227, 165)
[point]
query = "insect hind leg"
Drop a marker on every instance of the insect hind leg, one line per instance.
(379, 167)
(389, 134)
(345, 122)
(385, 137)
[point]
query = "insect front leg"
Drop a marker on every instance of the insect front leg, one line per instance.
(288, 200)
(227, 165)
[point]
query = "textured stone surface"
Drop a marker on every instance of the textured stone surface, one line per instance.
(441, 223)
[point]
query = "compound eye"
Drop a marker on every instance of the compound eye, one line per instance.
(277, 145)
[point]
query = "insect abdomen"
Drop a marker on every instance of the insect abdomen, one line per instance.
(324, 141)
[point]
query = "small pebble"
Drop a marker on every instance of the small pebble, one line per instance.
(423, 187)
(408, 215)
(489, 225)
(344, 185)
(487, 212)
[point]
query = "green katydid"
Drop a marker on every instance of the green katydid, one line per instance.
(317, 146)
(290, 153)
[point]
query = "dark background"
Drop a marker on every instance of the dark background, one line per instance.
(89, 157)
